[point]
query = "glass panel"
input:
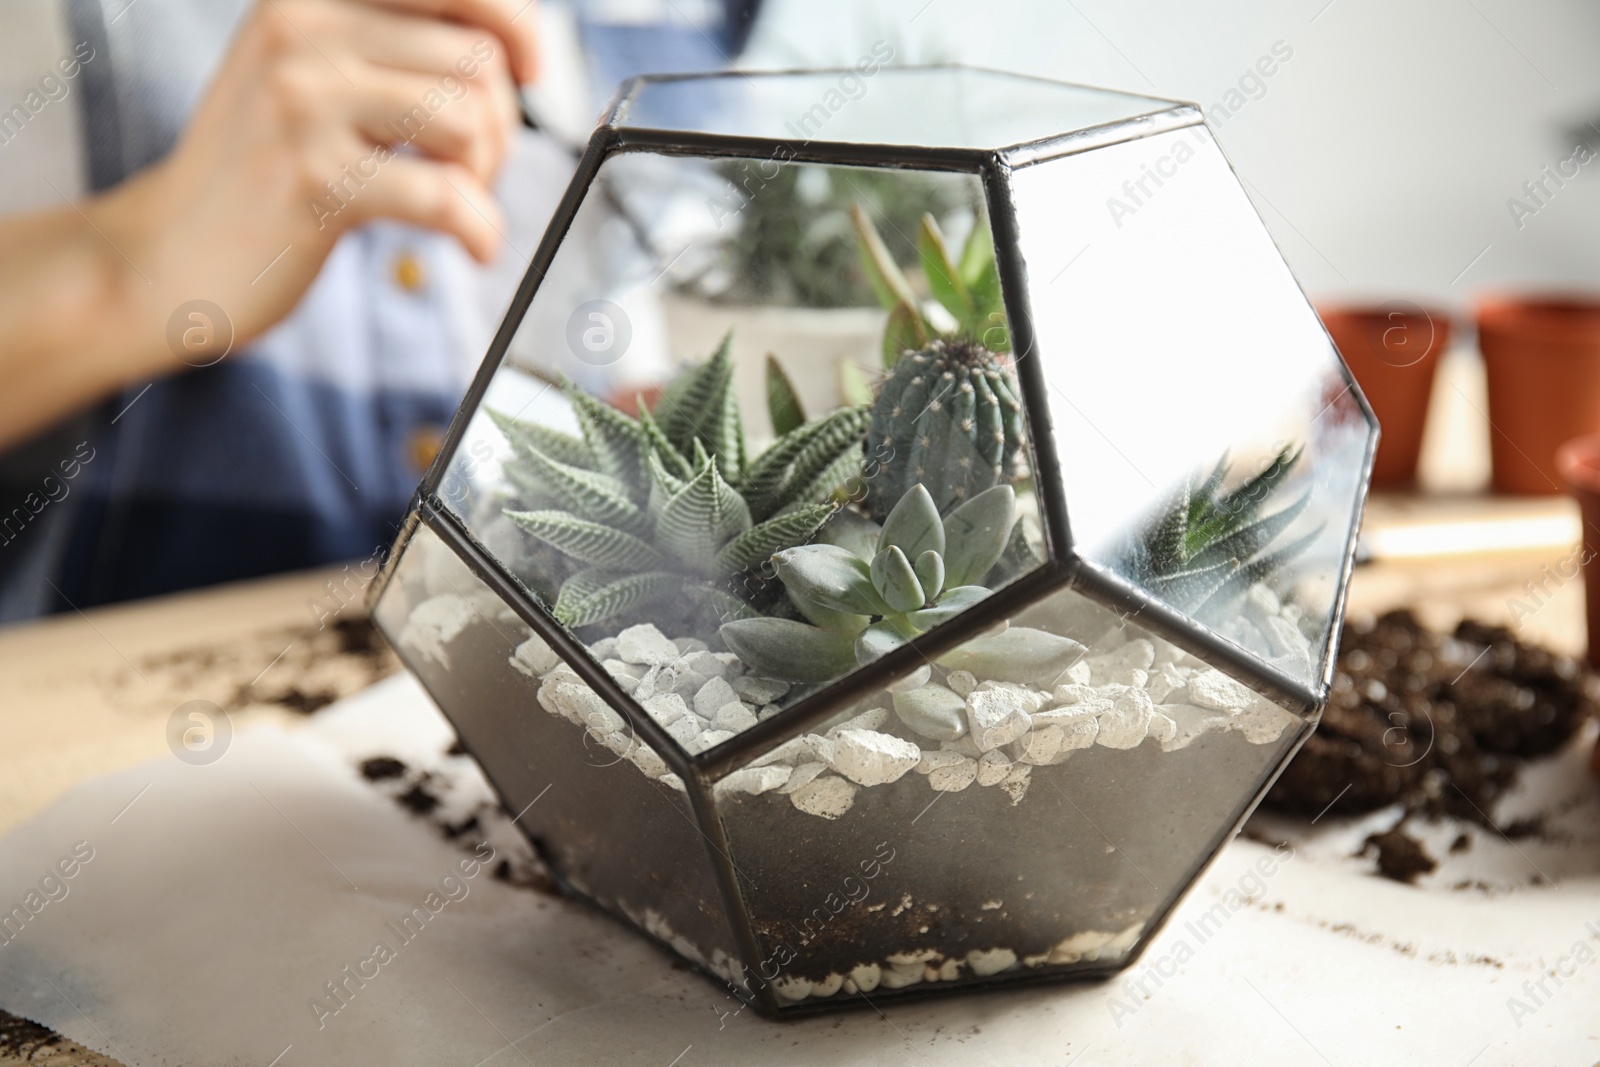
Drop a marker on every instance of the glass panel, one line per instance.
(946, 107)
(733, 500)
(1210, 446)
(1080, 803)
(600, 805)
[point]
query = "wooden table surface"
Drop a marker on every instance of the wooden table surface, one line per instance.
(85, 694)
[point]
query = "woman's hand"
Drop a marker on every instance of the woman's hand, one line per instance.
(325, 114)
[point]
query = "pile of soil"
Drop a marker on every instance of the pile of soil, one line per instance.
(1440, 723)
(25, 1041)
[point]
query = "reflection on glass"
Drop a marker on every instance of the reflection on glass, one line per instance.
(1081, 802)
(873, 103)
(1210, 446)
(721, 558)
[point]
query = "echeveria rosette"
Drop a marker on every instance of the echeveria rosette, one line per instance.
(867, 595)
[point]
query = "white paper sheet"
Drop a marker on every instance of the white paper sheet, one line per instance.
(221, 898)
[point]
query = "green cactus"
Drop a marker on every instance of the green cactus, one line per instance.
(949, 415)
(869, 590)
(668, 503)
(1206, 547)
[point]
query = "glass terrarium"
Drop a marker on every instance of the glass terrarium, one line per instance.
(899, 532)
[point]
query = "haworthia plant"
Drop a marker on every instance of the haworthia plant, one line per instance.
(668, 502)
(1207, 546)
(875, 588)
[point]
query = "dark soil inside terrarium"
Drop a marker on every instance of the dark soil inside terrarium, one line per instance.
(1439, 723)
(1099, 843)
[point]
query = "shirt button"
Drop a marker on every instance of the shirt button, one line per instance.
(423, 445)
(408, 273)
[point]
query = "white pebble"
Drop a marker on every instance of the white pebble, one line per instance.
(871, 719)
(793, 751)
(754, 780)
(962, 682)
(711, 697)
(1162, 729)
(996, 717)
(1073, 694)
(868, 757)
(802, 775)
(1213, 689)
(1262, 722)
(828, 986)
(1040, 746)
(645, 758)
(703, 665)
(686, 730)
(434, 623)
(954, 777)
(1164, 682)
(866, 976)
(710, 739)
(1128, 721)
(1079, 674)
(828, 796)
(915, 680)
(1079, 945)
(987, 961)
(534, 658)
(605, 648)
(792, 988)
(759, 690)
(950, 970)
(1190, 723)
(645, 644)
(665, 708)
(897, 979)
(734, 717)
(933, 760)
(993, 768)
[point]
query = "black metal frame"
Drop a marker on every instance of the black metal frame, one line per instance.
(1064, 569)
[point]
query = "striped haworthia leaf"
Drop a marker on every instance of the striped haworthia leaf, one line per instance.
(590, 542)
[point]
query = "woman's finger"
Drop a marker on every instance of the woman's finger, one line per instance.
(440, 196)
(514, 22)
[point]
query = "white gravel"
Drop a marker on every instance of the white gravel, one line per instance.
(868, 757)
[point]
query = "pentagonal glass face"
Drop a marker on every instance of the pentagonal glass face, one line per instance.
(988, 818)
(1211, 449)
(873, 103)
(758, 427)
(610, 818)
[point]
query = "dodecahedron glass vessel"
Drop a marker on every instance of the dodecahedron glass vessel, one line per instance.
(899, 531)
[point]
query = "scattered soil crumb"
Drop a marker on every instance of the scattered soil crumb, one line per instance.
(1462, 843)
(1441, 723)
(379, 768)
(418, 800)
(1400, 856)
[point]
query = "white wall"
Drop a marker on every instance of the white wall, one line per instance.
(1381, 154)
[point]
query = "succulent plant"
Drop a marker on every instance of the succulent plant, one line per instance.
(1206, 547)
(868, 590)
(669, 503)
(948, 416)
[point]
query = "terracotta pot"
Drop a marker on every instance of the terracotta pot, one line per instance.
(1579, 464)
(1542, 354)
(1393, 350)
